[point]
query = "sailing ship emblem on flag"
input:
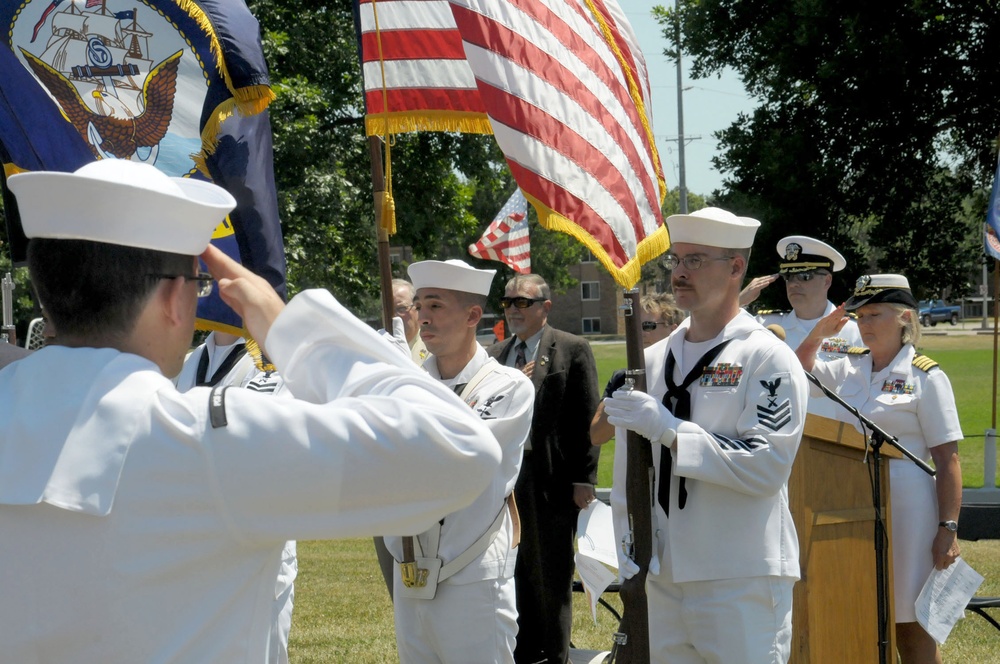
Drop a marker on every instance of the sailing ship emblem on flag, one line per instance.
(114, 79)
(506, 239)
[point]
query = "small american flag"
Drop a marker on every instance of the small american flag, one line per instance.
(506, 239)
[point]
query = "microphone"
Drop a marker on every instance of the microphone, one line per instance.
(777, 330)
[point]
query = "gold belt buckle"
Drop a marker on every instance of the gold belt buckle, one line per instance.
(413, 576)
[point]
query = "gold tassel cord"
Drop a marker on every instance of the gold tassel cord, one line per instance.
(387, 218)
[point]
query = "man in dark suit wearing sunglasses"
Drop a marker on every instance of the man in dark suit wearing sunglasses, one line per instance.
(559, 468)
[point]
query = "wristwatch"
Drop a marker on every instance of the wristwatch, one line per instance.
(950, 525)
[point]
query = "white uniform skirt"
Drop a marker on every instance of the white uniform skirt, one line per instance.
(914, 527)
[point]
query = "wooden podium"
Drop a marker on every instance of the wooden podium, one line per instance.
(830, 491)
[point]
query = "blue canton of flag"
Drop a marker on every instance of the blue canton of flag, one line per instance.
(180, 84)
(991, 235)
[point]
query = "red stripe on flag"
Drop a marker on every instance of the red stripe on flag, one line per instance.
(571, 207)
(426, 99)
(413, 45)
(559, 137)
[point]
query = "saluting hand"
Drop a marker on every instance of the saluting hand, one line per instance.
(753, 289)
(249, 295)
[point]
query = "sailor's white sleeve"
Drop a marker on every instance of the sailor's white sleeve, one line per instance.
(370, 444)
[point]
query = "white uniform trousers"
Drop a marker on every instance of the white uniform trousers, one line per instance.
(466, 623)
(914, 526)
(730, 621)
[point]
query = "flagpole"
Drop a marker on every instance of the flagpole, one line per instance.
(384, 264)
(996, 331)
(631, 642)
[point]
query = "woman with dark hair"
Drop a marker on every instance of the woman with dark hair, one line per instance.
(909, 396)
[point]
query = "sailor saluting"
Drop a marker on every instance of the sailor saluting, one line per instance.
(141, 524)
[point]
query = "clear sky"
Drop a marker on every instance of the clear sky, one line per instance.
(709, 104)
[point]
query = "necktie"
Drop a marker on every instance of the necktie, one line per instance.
(681, 408)
(520, 360)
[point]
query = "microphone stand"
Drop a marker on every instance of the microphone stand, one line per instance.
(877, 438)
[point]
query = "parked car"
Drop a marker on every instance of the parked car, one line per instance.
(932, 312)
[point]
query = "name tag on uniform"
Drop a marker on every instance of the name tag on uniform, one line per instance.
(898, 386)
(724, 374)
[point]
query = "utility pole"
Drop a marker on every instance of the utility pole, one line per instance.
(682, 187)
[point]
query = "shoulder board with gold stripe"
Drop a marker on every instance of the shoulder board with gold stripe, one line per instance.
(924, 363)
(772, 312)
(858, 350)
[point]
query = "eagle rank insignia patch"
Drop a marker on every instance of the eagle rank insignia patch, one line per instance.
(771, 412)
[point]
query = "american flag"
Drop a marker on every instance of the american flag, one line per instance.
(506, 238)
(428, 84)
(566, 89)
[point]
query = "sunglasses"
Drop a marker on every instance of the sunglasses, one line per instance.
(804, 277)
(650, 325)
(519, 302)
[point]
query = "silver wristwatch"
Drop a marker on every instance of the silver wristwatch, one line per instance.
(950, 525)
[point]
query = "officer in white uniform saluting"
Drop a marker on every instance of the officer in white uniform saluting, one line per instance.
(141, 524)
(725, 411)
(807, 266)
(465, 609)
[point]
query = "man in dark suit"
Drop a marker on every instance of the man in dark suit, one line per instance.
(559, 468)
(9, 353)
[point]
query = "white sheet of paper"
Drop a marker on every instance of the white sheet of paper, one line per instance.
(595, 577)
(596, 534)
(944, 596)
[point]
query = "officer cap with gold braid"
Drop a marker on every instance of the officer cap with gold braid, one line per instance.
(802, 254)
(875, 288)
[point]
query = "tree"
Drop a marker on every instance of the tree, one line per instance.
(875, 126)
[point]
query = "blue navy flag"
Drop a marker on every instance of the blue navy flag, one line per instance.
(991, 235)
(181, 84)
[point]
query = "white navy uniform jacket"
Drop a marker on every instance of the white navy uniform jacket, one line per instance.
(504, 400)
(736, 453)
(135, 531)
(796, 331)
(916, 406)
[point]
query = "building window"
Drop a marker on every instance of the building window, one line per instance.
(591, 325)
(588, 257)
(590, 290)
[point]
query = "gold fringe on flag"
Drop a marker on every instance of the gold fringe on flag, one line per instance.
(255, 351)
(627, 275)
(455, 121)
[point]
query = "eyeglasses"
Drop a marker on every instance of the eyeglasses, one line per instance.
(403, 308)
(804, 277)
(519, 302)
(693, 262)
(650, 325)
(204, 280)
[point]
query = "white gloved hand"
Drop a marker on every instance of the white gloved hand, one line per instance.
(626, 568)
(642, 413)
(398, 336)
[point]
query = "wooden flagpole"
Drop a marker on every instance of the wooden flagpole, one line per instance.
(631, 644)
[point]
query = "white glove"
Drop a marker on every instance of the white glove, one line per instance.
(626, 568)
(642, 413)
(398, 336)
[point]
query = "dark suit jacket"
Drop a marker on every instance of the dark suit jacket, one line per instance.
(566, 398)
(9, 353)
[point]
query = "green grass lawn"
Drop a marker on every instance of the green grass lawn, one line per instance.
(343, 614)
